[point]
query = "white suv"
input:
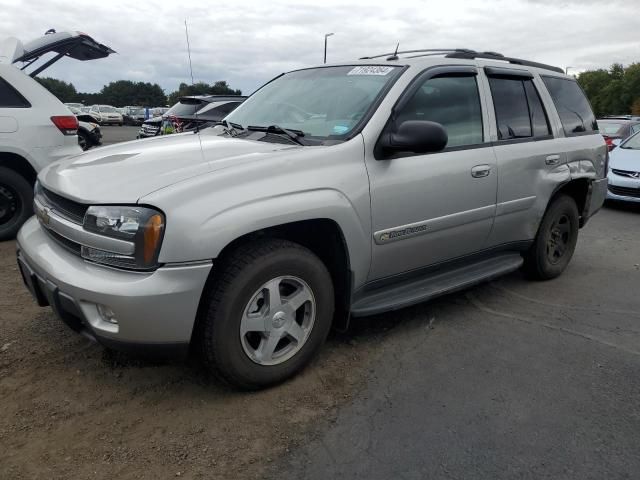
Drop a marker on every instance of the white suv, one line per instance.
(35, 127)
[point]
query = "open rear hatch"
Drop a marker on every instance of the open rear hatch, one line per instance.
(77, 45)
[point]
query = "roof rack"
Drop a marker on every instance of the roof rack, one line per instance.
(466, 53)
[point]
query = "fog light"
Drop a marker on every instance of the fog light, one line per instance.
(107, 314)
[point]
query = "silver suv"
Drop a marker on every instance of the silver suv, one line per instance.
(347, 189)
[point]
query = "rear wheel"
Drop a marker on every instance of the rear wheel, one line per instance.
(83, 140)
(16, 199)
(267, 314)
(556, 240)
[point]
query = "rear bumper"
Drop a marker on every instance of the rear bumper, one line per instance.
(597, 196)
(155, 311)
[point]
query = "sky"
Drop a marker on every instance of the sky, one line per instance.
(247, 43)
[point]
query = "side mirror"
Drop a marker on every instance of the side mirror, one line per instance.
(418, 136)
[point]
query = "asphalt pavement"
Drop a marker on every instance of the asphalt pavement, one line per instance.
(513, 379)
(114, 134)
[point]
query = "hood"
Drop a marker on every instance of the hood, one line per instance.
(125, 172)
(625, 159)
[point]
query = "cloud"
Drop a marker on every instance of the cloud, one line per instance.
(248, 43)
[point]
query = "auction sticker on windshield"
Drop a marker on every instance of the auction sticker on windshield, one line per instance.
(370, 70)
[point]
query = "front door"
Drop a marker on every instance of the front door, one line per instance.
(435, 207)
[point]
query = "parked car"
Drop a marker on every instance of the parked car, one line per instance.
(77, 106)
(35, 127)
(617, 128)
(107, 115)
(89, 133)
(348, 189)
(624, 171)
(134, 116)
(84, 116)
(189, 112)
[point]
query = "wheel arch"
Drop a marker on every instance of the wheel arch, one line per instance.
(18, 164)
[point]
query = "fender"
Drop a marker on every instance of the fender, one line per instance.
(219, 230)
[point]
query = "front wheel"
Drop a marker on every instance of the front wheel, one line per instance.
(556, 240)
(83, 140)
(267, 314)
(16, 199)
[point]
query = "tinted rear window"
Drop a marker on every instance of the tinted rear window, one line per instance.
(572, 105)
(10, 97)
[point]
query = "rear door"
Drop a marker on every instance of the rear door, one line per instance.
(530, 163)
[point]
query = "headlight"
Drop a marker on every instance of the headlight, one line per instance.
(142, 226)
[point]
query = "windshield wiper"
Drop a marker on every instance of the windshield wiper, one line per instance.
(294, 135)
(230, 128)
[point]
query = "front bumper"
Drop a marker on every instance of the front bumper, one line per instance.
(155, 311)
(626, 189)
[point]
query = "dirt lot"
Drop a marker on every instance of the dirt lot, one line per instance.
(71, 410)
(508, 380)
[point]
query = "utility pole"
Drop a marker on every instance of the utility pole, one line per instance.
(326, 35)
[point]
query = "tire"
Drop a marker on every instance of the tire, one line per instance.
(16, 202)
(241, 291)
(84, 141)
(555, 241)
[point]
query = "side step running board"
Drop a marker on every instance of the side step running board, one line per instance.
(434, 284)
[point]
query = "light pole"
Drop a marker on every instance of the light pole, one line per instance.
(566, 70)
(326, 35)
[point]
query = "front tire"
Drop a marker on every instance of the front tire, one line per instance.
(556, 240)
(16, 202)
(83, 140)
(267, 313)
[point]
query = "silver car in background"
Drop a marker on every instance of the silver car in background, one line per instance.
(624, 171)
(349, 189)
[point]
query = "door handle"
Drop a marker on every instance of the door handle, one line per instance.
(552, 160)
(480, 171)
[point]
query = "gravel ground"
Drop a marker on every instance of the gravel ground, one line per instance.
(508, 380)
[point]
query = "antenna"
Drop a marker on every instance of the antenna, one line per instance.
(186, 32)
(395, 54)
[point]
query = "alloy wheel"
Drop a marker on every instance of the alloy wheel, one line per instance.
(277, 321)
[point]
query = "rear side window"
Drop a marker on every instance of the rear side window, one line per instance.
(452, 101)
(519, 111)
(573, 107)
(10, 97)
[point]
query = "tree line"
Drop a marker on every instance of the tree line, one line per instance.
(615, 91)
(126, 92)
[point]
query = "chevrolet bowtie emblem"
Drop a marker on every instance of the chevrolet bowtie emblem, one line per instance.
(43, 215)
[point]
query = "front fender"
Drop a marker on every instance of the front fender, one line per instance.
(222, 228)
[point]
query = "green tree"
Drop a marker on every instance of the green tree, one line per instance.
(201, 88)
(65, 92)
(614, 91)
(126, 92)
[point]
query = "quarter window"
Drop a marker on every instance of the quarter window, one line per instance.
(572, 105)
(452, 101)
(519, 110)
(10, 97)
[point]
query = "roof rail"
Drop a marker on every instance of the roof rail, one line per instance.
(427, 50)
(499, 56)
(466, 53)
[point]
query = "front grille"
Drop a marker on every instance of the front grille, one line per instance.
(69, 209)
(626, 173)
(625, 191)
(150, 130)
(70, 245)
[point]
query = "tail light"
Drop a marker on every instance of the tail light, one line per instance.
(609, 142)
(67, 124)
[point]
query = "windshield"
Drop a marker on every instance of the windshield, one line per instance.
(633, 143)
(108, 109)
(321, 102)
(185, 109)
(609, 128)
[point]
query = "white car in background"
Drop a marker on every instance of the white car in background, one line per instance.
(106, 115)
(35, 127)
(624, 170)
